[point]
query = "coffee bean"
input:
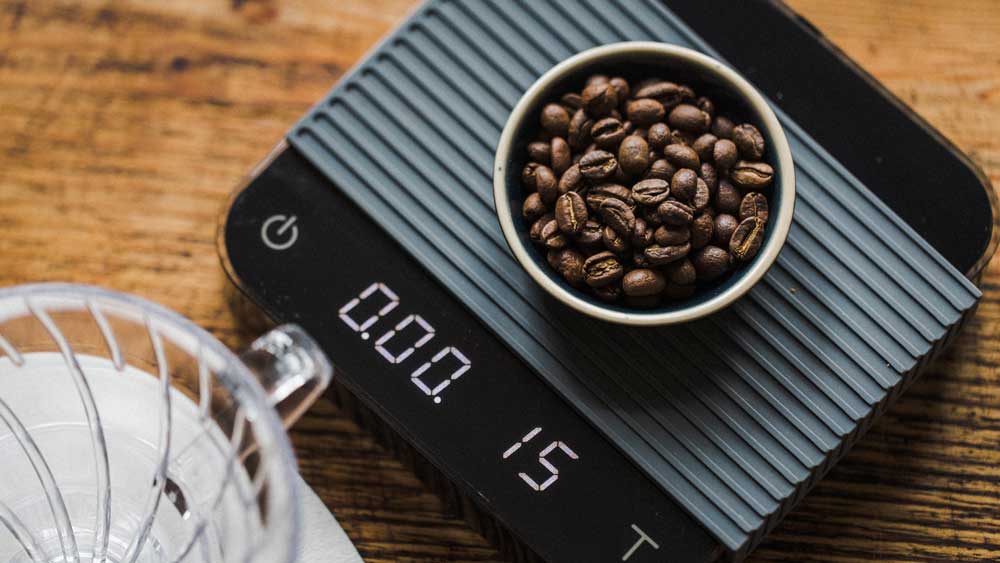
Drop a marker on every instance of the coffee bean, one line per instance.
(706, 105)
(599, 99)
(702, 228)
(621, 88)
(535, 232)
(754, 204)
(727, 199)
(579, 130)
(561, 156)
(752, 176)
(551, 237)
(533, 208)
(749, 141)
(540, 152)
(643, 282)
(660, 255)
(673, 212)
(704, 146)
(678, 292)
(608, 133)
(725, 226)
(569, 263)
(601, 269)
(687, 117)
(725, 154)
(682, 156)
(707, 172)
(644, 112)
(670, 235)
(633, 155)
(658, 136)
(661, 169)
(572, 102)
(618, 215)
(667, 93)
(652, 191)
(608, 293)
(571, 213)
(711, 263)
(598, 165)
(597, 79)
(598, 194)
(571, 180)
(681, 272)
(555, 120)
(722, 127)
(747, 238)
(545, 183)
(684, 183)
(589, 239)
(613, 241)
(701, 197)
(642, 235)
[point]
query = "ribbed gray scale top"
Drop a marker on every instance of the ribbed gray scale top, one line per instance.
(734, 416)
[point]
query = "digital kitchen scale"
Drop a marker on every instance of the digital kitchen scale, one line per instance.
(569, 439)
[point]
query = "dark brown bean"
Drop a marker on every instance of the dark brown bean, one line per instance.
(589, 238)
(661, 169)
(754, 204)
(633, 155)
(724, 154)
(669, 235)
(684, 184)
(551, 237)
(702, 228)
(643, 282)
(702, 196)
(618, 215)
(528, 176)
(621, 88)
(658, 136)
(561, 155)
(727, 198)
(673, 212)
(660, 255)
(613, 241)
(597, 165)
(533, 208)
(579, 130)
(682, 156)
(644, 112)
(545, 183)
(642, 235)
(599, 99)
(569, 263)
(725, 226)
(704, 146)
(707, 172)
(711, 263)
(535, 232)
(598, 194)
(597, 79)
(722, 127)
(571, 213)
(651, 191)
(601, 269)
(608, 133)
(555, 120)
(571, 180)
(752, 176)
(749, 141)
(747, 239)
(651, 215)
(572, 102)
(687, 117)
(681, 272)
(540, 152)
(667, 93)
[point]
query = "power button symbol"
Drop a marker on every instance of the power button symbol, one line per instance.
(279, 232)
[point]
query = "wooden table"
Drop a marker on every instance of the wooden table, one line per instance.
(124, 124)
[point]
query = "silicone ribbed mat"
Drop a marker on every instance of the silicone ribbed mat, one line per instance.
(735, 416)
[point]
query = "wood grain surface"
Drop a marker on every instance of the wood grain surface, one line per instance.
(124, 124)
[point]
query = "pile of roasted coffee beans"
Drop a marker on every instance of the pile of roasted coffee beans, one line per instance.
(641, 192)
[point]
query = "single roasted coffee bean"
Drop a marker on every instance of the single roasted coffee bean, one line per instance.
(651, 191)
(725, 226)
(642, 235)
(539, 152)
(644, 112)
(618, 215)
(535, 232)
(533, 208)
(660, 255)
(704, 146)
(702, 228)
(551, 236)
(633, 155)
(579, 130)
(598, 165)
(682, 156)
(555, 120)
(571, 213)
(681, 272)
(613, 241)
(749, 141)
(754, 204)
(569, 263)
(589, 239)
(572, 102)
(725, 154)
(667, 93)
(684, 183)
(601, 269)
(546, 184)
(687, 117)
(621, 88)
(658, 136)
(673, 212)
(661, 169)
(608, 293)
(608, 133)
(701, 197)
(528, 176)
(747, 238)
(722, 127)
(678, 292)
(727, 198)
(571, 180)
(599, 99)
(670, 235)
(711, 263)
(598, 194)
(706, 105)
(707, 172)
(643, 282)
(752, 176)
(561, 156)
